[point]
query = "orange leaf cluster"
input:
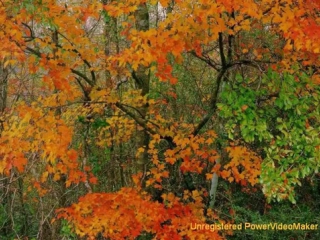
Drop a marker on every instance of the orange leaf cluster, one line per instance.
(244, 166)
(130, 213)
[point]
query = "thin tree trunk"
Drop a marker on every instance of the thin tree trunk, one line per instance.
(142, 79)
(6, 186)
(214, 187)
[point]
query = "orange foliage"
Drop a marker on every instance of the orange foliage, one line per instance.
(70, 65)
(244, 167)
(128, 213)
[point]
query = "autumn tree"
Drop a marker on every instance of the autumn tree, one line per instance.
(139, 107)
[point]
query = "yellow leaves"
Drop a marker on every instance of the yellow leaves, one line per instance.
(134, 98)
(171, 160)
(194, 146)
(140, 150)
(249, 162)
(122, 128)
(183, 142)
(37, 133)
(164, 3)
(212, 134)
(245, 50)
(56, 177)
(136, 178)
(44, 176)
(169, 199)
(196, 195)
(153, 2)
(170, 152)
(68, 183)
(98, 93)
(41, 131)
(192, 151)
(120, 8)
(3, 166)
(209, 176)
(170, 156)
(209, 141)
(9, 62)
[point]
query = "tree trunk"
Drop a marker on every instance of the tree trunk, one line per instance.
(142, 79)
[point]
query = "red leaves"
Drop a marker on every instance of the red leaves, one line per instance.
(127, 213)
(165, 74)
(72, 154)
(18, 161)
(41, 132)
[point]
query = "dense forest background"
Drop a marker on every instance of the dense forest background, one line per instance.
(136, 119)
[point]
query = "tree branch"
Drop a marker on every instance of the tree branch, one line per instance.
(138, 120)
(93, 76)
(213, 102)
(222, 56)
(78, 73)
(206, 60)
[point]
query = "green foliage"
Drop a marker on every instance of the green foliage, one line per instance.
(127, 94)
(248, 205)
(105, 16)
(99, 123)
(281, 119)
(66, 231)
(283, 213)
